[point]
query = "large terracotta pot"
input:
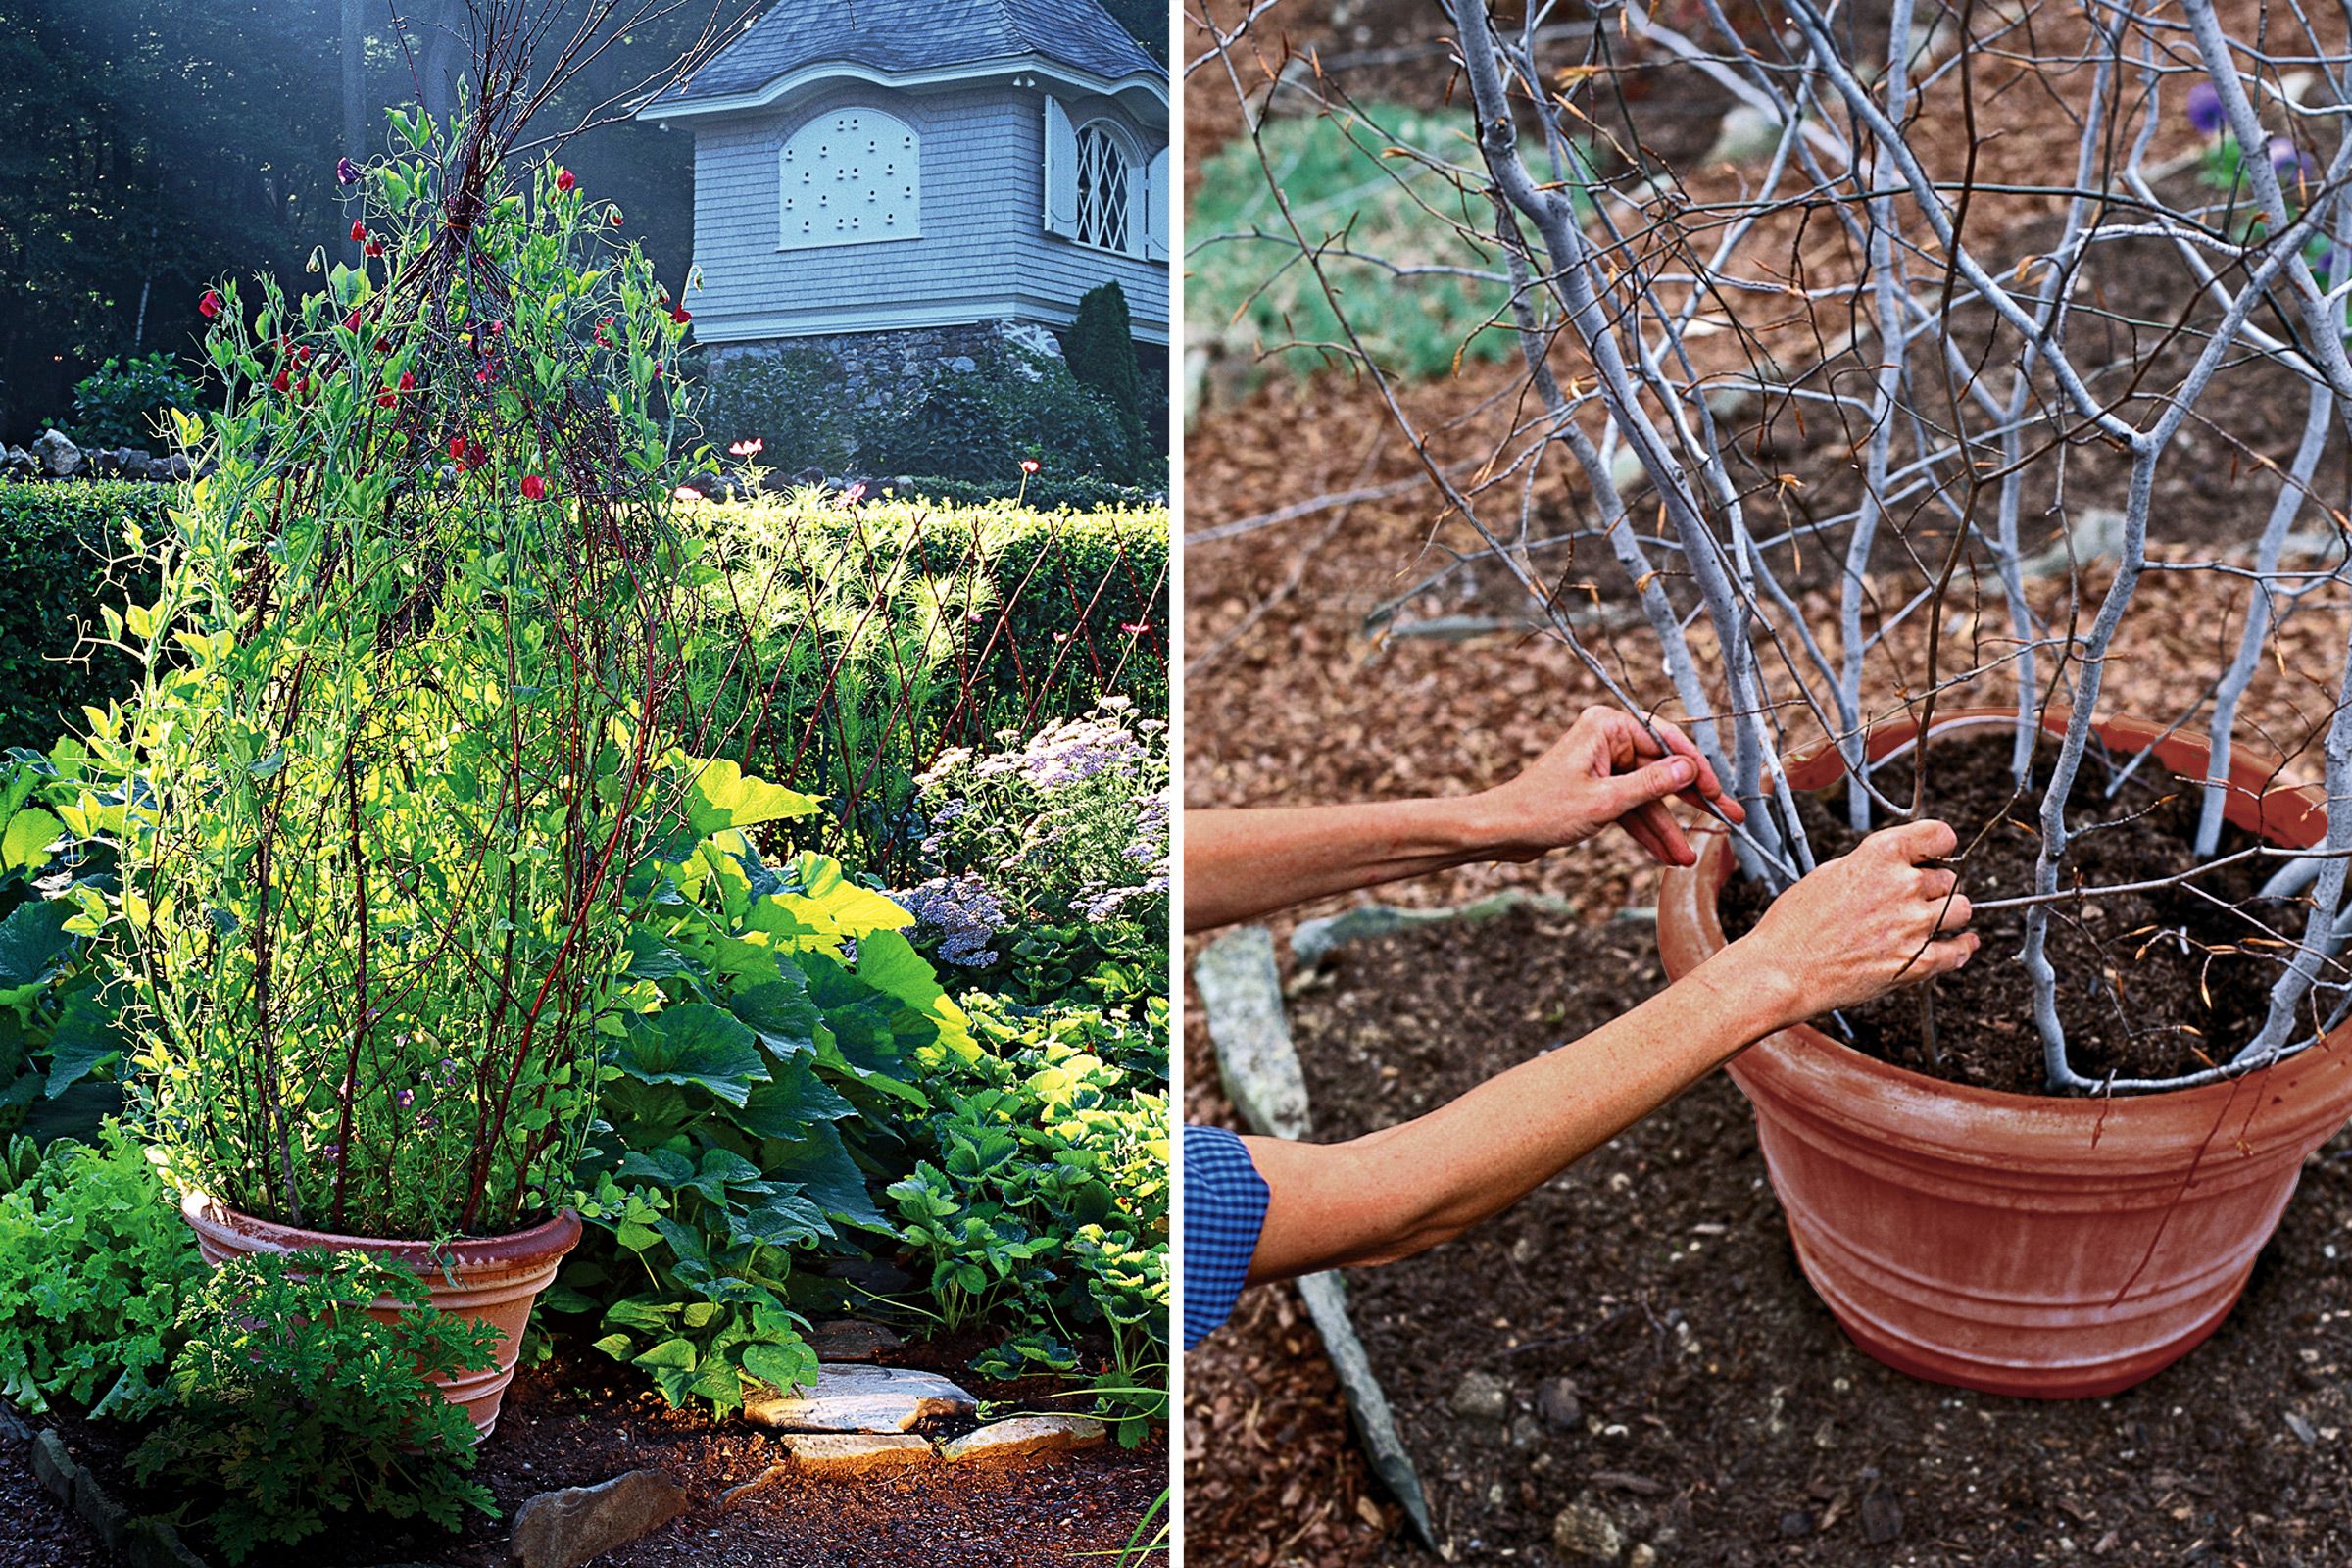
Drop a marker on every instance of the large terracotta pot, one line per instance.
(497, 1279)
(2059, 1248)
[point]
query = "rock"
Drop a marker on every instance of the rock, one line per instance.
(963, 364)
(1240, 990)
(60, 457)
(53, 1467)
(154, 1544)
(860, 1399)
(1481, 1396)
(1024, 1437)
(857, 1453)
(565, 1529)
(1583, 1532)
(808, 479)
(19, 464)
(1644, 1555)
(1556, 1402)
(1745, 133)
(1796, 1523)
(2302, 1429)
(852, 1338)
(1881, 1519)
(1526, 1433)
(102, 1513)
(11, 1426)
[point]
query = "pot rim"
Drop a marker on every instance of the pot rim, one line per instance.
(1691, 891)
(558, 1234)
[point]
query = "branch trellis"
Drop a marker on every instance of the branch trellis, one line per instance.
(1861, 267)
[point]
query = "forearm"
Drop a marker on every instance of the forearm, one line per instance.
(1410, 1187)
(1241, 865)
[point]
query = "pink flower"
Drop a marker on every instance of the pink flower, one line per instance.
(350, 322)
(1135, 628)
(209, 306)
(680, 316)
(358, 230)
(534, 488)
(563, 179)
(685, 493)
(751, 448)
(1029, 464)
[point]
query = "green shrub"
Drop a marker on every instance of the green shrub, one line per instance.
(1100, 353)
(887, 634)
(93, 1261)
(795, 402)
(56, 541)
(291, 1408)
(1246, 284)
(780, 1005)
(122, 401)
(1044, 491)
(1043, 1202)
(976, 425)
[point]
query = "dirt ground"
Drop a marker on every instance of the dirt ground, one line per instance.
(583, 1419)
(1663, 1364)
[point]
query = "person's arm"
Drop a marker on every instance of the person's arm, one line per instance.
(1858, 927)
(1239, 865)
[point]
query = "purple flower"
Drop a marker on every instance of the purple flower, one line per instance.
(405, 1098)
(2205, 107)
(2289, 161)
(963, 914)
(347, 172)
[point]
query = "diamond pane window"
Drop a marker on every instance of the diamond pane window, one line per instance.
(1102, 190)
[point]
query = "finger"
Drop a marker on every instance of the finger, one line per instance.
(1955, 913)
(1658, 824)
(1707, 787)
(1646, 834)
(1655, 782)
(1949, 953)
(1924, 840)
(1936, 882)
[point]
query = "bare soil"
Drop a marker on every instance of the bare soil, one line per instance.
(583, 1419)
(2151, 985)
(1720, 1415)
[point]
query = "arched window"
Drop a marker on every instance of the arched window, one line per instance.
(851, 177)
(1104, 176)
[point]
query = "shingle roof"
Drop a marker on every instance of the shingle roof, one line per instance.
(910, 35)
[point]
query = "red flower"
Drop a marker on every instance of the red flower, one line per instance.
(457, 447)
(209, 306)
(375, 247)
(657, 368)
(616, 217)
(383, 345)
(350, 322)
(358, 230)
(563, 179)
(281, 383)
(388, 396)
(680, 316)
(534, 488)
(1029, 464)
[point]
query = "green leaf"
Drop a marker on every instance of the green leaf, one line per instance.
(694, 1043)
(677, 1353)
(25, 843)
(85, 1039)
(33, 941)
(724, 796)
(820, 1163)
(779, 1013)
(784, 1218)
(781, 1367)
(784, 1106)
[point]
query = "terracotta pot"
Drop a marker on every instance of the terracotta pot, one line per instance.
(2060, 1248)
(497, 1279)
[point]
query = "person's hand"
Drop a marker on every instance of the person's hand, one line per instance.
(1867, 922)
(1607, 768)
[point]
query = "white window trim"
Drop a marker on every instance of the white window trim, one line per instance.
(787, 244)
(1139, 176)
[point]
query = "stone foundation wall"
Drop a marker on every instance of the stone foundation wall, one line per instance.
(877, 366)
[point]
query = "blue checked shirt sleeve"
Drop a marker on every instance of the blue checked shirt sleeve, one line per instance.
(1224, 1210)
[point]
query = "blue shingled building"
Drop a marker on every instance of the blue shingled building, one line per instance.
(899, 182)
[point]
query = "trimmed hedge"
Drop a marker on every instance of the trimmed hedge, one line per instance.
(55, 540)
(995, 616)
(1045, 492)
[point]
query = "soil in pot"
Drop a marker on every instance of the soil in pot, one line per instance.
(2150, 985)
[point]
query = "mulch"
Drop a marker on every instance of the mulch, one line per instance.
(1668, 1367)
(583, 1419)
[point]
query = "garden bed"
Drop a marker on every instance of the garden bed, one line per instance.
(1717, 1413)
(582, 1419)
